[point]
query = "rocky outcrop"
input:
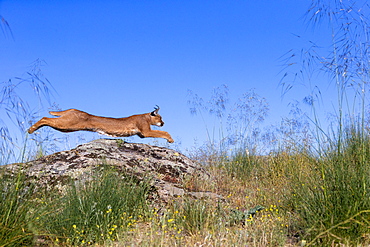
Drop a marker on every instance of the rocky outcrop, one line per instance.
(165, 167)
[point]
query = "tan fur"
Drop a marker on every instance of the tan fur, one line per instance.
(75, 120)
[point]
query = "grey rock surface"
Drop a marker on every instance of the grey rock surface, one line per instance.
(165, 167)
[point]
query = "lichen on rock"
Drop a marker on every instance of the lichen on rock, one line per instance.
(166, 167)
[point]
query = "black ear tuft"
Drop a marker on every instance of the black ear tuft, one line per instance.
(155, 112)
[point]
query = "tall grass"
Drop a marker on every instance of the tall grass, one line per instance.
(195, 216)
(19, 221)
(18, 97)
(5, 28)
(98, 210)
(333, 201)
(233, 125)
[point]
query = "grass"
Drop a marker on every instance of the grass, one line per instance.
(280, 199)
(94, 212)
(334, 199)
(19, 219)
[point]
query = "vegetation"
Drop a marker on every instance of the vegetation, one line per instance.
(284, 198)
(95, 211)
(19, 216)
(271, 200)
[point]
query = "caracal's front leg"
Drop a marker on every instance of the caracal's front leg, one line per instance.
(158, 134)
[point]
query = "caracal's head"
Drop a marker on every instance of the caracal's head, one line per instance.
(155, 118)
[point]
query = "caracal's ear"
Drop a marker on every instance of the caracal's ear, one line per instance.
(155, 112)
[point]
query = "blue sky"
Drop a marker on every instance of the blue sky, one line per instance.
(118, 58)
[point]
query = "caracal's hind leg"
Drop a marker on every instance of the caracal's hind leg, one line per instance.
(60, 124)
(68, 121)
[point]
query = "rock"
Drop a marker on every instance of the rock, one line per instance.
(166, 167)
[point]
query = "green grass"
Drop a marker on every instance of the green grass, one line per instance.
(96, 211)
(333, 202)
(193, 216)
(242, 164)
(19, 217)
(320, 200)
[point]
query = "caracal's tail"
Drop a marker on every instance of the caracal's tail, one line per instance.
(60, 113)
